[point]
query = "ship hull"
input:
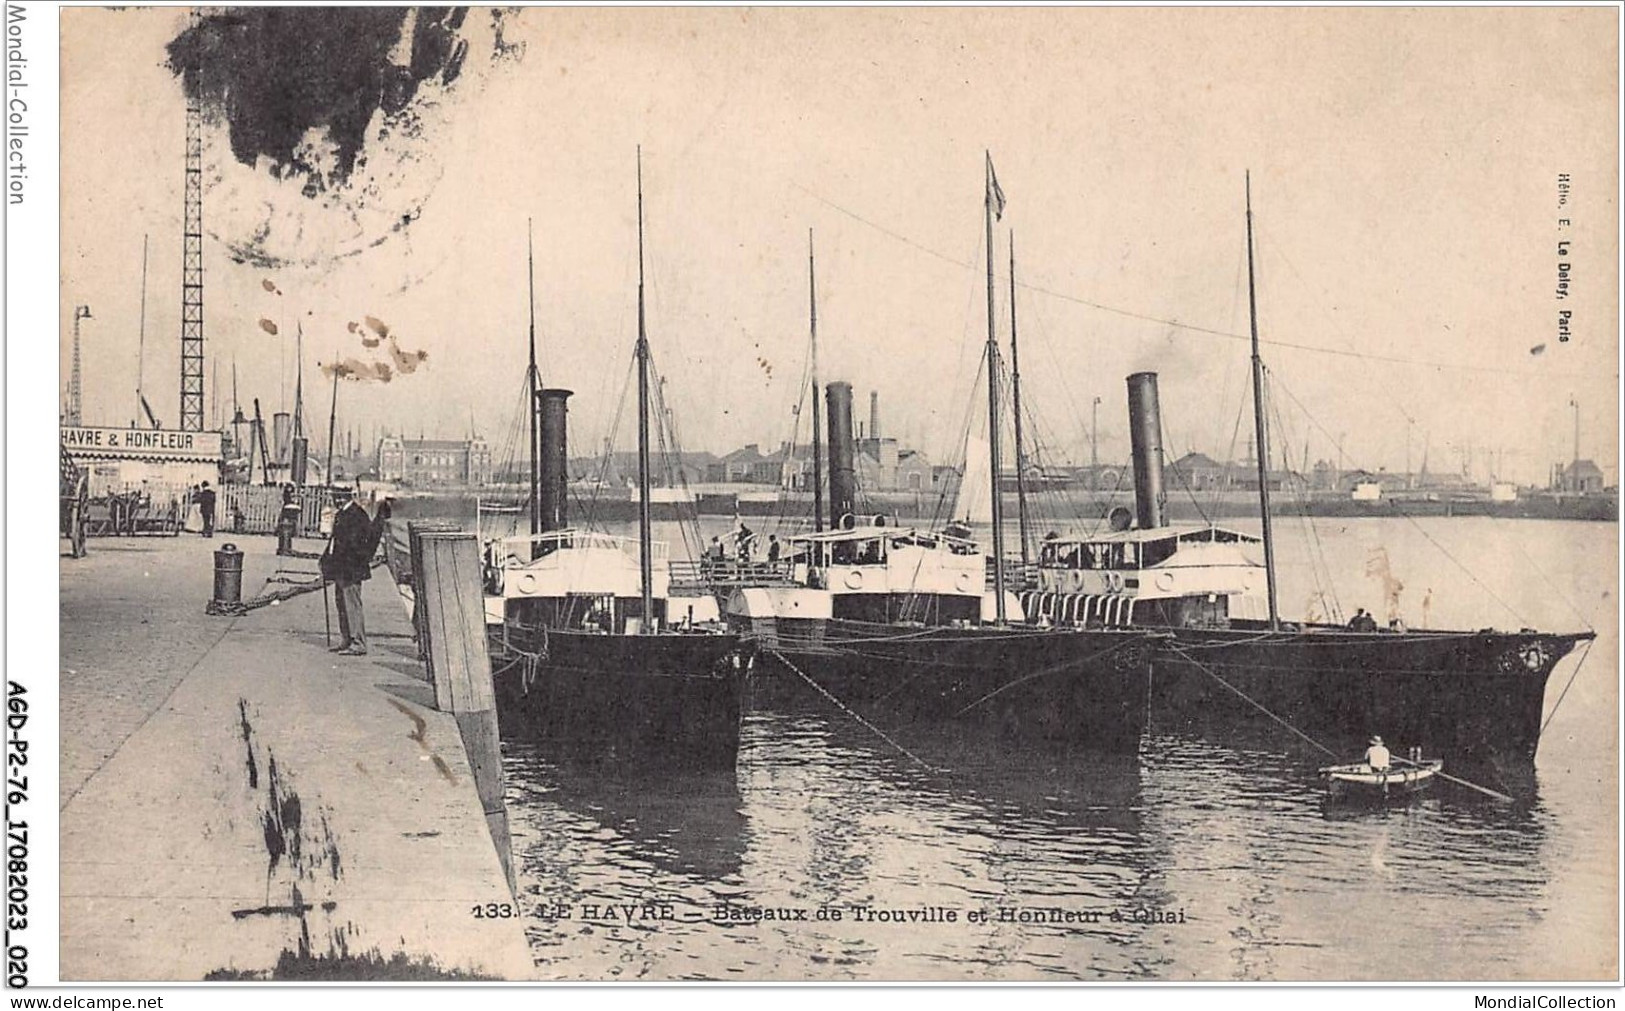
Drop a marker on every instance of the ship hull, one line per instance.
(1085, 689)
(1473, 698)
(664, 697)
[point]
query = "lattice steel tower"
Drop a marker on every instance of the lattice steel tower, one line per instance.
(192, 269)
(75, 413)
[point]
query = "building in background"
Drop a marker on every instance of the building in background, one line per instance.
(422, 462)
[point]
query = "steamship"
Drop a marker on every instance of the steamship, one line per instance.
(896, 625)
(1474, 698)
(589, 645)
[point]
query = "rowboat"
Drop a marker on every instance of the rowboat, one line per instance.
(1359, 782)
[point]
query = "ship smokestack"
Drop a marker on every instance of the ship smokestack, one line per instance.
(874, 414)
(281, 437)
(842, 477)
(552, 460)
(300, 464)
(1145, 434)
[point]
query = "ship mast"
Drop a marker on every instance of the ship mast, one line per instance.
(1015, 406)
(817, 426)
(645, 564)
(533, 386)
(993, 400)
(1263, 453)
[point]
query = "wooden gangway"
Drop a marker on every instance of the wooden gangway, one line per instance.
(710, 575)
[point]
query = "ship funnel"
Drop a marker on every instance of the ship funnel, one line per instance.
(843, 485)
(551, 461)
(1145, 434)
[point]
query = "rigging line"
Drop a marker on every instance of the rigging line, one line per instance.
(1179, 472)
(1565, 692)
(1514, 612)
(1175, 323)
(1300, 496)
(1350, 345)
(1039, 320)
(1501, 522)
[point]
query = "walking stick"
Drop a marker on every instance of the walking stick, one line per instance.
(327, 616)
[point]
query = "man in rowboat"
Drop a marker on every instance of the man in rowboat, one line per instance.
(1377, 756)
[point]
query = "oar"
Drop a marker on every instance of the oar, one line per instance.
(1460, 782)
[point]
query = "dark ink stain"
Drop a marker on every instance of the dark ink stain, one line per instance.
(268, 326)
(337, 965)
(419, 734)
(359, 371)
(378, 326)
(289, 910)
(248, 744)
(420, 835)
(1538, 349)
(330, 847)
(276, 834)
(274, 73)
(406, 362)
(420, 727)
(444, 770)
(270, 286)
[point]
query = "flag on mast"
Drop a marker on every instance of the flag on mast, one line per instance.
(995, 195)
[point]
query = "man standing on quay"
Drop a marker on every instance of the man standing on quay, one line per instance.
(348, 562)
(205, 502)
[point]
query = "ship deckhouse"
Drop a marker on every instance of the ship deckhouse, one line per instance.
(1179, 576)
(871, 571)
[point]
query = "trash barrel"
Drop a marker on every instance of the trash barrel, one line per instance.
(228, 575)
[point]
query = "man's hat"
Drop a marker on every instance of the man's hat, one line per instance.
(1376, 740)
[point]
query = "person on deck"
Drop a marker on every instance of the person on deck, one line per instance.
(348, 562)
(1377, 756)
(773, 547)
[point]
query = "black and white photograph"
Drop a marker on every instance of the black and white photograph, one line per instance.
(1085, 495)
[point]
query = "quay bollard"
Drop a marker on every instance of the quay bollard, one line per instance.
(228, 575)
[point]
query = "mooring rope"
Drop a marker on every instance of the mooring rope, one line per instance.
(1259, 706)
(1052, 669)
(850, 712)
(238, 608)
(1565, 692)
(1250, 700)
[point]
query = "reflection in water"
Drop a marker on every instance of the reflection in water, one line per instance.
(1220, 861)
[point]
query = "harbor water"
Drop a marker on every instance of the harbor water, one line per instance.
(1212, 857)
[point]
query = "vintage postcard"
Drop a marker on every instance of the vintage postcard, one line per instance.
(927, 495)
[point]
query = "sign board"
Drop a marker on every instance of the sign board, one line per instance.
(142, 443)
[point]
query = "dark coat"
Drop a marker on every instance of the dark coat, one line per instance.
(352, 545)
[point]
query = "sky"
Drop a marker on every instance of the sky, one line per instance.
(1404, 177)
